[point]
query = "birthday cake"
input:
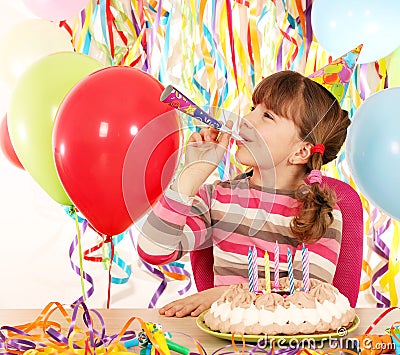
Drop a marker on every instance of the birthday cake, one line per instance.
(323, 309)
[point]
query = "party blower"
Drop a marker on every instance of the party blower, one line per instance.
(177, 100)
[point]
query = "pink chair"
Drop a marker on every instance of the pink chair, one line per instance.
(348, 270)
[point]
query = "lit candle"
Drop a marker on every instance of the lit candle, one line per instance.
(267, 275)
(255, 268)
(305, 256)
(250, 270)
(290, 271)
(276, 266)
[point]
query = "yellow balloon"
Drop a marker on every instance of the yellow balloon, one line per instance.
(27, 42)
(393, 68)
(33, 107)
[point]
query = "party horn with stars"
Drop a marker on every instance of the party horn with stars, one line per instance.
(177, 100)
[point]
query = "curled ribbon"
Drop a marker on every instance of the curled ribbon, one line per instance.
(44, 336)
(167, 270)
(174, 270)
(380, 247)
(76, 243)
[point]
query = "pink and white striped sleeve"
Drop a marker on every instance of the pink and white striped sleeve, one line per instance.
(176, 225)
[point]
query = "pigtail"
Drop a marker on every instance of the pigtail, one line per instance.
(316, 214)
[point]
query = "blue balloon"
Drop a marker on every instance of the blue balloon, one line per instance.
(373, 150)
(341, 25)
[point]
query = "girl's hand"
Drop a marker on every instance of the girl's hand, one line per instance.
(204, 151)
(193, 305)
(207, 147)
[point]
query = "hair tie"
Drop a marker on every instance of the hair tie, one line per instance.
(318, 148)
(315, 176)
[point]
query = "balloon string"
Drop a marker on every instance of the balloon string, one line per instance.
(78, 233)
(76, 268)
(72, 212)
(109, 274)
(118, 261)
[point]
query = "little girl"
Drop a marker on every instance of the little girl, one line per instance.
(294, 127)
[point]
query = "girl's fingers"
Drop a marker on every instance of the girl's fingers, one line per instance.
(224, 138)
(209, 134)
(193, 306)
(200, 309)
(173, 311)
(212, 135)
(168, 307)
(195, 138)
(184, 311)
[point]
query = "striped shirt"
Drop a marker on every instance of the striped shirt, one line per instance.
(233, 216)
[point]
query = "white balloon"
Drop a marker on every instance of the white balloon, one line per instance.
(11, 13)
(341, 25)
(56, 10)
(27, 42)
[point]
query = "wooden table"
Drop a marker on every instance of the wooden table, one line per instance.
(115, 319)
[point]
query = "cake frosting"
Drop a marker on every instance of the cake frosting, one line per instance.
(322, 309)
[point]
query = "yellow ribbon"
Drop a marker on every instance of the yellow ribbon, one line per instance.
(85, 28)
(134, 49)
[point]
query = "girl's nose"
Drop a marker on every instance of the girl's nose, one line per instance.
(246, 120)
(239, 121)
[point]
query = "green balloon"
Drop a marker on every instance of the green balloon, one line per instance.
(33, 107)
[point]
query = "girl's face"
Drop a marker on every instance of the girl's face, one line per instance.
(269, 140)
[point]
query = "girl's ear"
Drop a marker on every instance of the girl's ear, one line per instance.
(302, 154)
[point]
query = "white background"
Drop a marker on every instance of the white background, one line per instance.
(36, 233)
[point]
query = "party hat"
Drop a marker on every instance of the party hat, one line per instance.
(335, 76)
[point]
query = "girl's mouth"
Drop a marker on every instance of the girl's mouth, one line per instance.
(245, 139)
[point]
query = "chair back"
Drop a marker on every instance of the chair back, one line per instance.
(348, 271)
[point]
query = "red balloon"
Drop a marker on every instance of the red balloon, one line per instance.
(6, 145)
(96, 125)
(152, 167)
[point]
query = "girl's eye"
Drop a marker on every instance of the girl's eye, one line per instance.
(252, 108)
(268, 115)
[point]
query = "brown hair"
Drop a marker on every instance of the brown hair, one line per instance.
(320, 120)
